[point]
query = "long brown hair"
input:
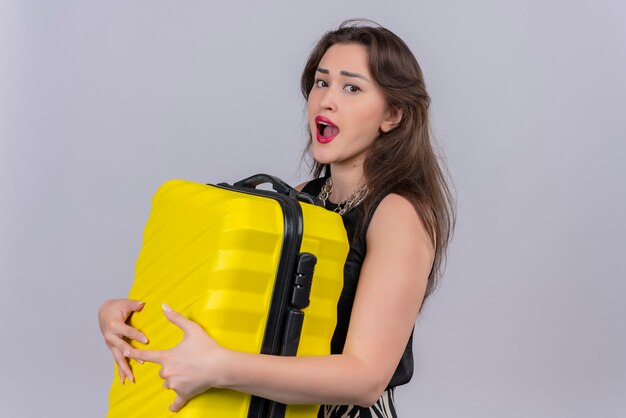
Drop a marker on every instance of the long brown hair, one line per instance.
(403, 160)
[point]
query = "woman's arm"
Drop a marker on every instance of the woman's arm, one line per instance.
(391, 288)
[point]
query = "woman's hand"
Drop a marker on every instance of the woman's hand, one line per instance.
(190, 368)
(112, 317)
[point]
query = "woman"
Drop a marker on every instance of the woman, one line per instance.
(369, 137)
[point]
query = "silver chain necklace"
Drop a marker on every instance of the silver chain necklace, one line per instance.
(346, 205)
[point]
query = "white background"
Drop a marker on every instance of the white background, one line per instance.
(102, 101)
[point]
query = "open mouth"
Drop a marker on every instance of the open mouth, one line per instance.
(326, 130)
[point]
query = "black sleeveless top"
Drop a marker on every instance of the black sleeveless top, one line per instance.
(351, 272)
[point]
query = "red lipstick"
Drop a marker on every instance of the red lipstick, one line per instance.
(326, 130)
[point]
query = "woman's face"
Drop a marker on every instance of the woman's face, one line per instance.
(346, 107)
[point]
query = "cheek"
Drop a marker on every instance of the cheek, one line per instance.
(377, 112)
(312, 102)
(310, 115)
(368, 121)
(311, 108)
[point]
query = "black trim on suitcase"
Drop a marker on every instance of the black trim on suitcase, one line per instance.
(301, 292)
(292, 285)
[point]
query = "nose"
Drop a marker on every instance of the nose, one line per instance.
(328, 101)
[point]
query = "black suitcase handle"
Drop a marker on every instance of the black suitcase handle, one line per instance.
(279, 186)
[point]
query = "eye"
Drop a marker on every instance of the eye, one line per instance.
(321, 83)
(351, 88)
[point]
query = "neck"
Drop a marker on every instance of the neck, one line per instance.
(345, 181)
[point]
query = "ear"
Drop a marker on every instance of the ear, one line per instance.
(394, 116)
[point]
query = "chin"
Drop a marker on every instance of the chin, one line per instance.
(320, 156)
(322, 159)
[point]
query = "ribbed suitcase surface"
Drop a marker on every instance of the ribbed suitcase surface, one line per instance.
(216, 255)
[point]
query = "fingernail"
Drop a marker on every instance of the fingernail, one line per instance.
(166, 308)
(144, 340)
(122, 379)
(140, 361)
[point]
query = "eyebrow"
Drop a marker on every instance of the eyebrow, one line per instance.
(344, 73)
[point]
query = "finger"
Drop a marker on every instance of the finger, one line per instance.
(179, 320)
(153, 356)
(120, 329)
(129, 332)
(121, 346)
(137, 305)
(177, 404)
(122, 366)
(123, 371)
(129, 306)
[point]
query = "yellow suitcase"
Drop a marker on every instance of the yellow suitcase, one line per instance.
(239, 261)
